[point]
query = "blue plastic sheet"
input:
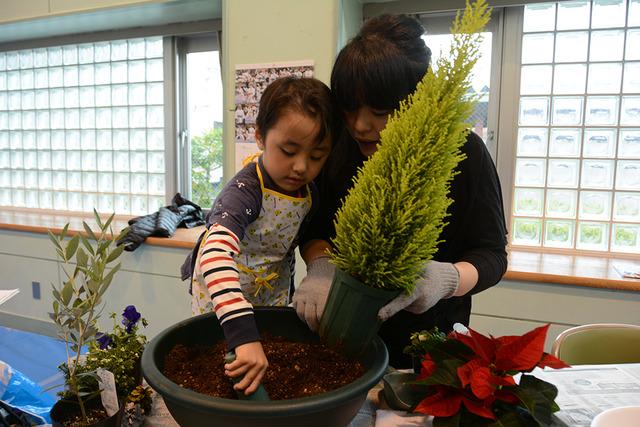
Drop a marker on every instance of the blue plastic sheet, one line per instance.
(22, 393)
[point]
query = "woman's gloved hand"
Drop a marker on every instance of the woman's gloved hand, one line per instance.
(438, 280)
(310, 297)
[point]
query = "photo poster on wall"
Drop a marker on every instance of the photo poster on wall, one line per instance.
(250, 82)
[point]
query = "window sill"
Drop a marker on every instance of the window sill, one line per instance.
(595, 271)
(524, 265)
(41, 220)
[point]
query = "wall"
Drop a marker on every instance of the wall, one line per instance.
(149, 279)
(517, 307)
(257, 31)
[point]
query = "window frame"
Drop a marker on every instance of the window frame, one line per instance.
(183, 45)
(440, 23)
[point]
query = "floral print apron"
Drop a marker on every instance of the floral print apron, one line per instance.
(266, 259)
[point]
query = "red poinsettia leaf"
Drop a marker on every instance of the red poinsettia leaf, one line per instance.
(428, 367)
(552, 362)
(481, 383)
(444, 403)
(481, 345)
(507, 396)
(466, 371)
(478, 409)
(506, 380)
(522, 353)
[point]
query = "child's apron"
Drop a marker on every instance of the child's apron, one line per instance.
(265, 263)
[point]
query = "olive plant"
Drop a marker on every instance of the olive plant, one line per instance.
(86, 263)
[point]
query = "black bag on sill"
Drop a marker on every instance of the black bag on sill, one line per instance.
(181, 213)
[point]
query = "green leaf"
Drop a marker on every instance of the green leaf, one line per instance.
(81, 258)
(538, 397)
(452, 421)
(86, 244)
(108, 278)
(445, 373)
(108, 222)
(115, 254)
(89, 231)
(71, 247)
(63, 233)
(54, 240)
(67, 292)
(98, 220)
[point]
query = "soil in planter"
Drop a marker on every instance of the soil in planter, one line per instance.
(94, 416)
(295, 369)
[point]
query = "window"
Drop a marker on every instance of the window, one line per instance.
(577, 170)
(82, 127)
(200, 118)
(487, 70)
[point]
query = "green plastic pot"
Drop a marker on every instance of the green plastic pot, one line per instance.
(350, 318)
(188, 408)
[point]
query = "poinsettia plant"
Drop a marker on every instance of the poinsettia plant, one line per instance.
(472, 380)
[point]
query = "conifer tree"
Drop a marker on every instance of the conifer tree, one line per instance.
(390, 221)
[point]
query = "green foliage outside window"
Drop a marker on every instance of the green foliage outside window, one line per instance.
(526, 230)
(206, 157)
(591, 234)
(625, 236)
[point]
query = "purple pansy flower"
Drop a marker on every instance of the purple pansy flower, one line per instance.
(104, 340)
(130, 318)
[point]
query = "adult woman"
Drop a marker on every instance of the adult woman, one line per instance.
(372, 74)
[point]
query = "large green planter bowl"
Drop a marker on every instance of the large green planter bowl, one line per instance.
(188, 408)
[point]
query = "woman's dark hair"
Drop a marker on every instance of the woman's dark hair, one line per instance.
(307, 96)
(381, 65)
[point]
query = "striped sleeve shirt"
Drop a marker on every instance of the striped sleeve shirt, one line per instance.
(220, 274)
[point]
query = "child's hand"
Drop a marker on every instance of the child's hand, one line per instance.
(250, 362)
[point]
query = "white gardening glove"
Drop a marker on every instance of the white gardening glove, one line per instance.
(310, 297)
(437, 280)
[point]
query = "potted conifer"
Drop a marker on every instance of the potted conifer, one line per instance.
(390, 221)
(87, 265)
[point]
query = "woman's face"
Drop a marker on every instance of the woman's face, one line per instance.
(365, 125)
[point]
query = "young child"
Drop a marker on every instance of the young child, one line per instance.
(246, 255)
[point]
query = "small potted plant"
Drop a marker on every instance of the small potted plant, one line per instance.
(390, 222)
(87, 263)
(468, 379)
(119, 351)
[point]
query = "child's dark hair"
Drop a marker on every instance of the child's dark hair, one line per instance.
(307, 96)
(381, 65)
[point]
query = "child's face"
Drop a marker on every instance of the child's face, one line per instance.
(292, 157)
(365, 125)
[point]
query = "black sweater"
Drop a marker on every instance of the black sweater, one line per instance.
(475, 233)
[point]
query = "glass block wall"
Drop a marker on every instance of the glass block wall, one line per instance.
(577, 174)
(82, 126)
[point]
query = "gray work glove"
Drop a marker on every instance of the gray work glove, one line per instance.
(310, 297)
(437, 280)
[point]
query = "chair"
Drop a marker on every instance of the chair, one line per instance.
(599, 343)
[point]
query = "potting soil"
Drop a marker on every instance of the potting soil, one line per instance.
(295, 369)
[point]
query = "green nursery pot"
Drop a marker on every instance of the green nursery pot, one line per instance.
(350, 318)
(189, 408)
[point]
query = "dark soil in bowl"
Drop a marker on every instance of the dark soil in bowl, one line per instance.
(296, 369)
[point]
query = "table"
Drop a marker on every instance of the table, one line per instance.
(586, 390)
(583, 392)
